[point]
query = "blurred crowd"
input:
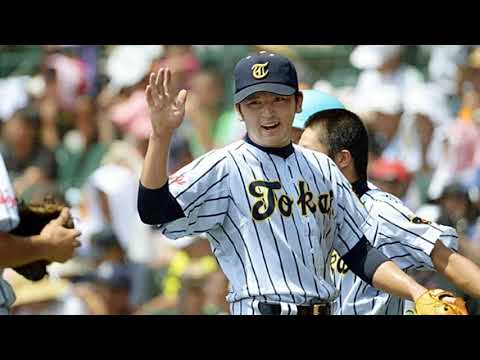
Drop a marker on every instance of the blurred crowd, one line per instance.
(76, 129)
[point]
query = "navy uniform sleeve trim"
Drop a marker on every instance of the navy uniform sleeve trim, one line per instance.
(363, 259)
(158, 206)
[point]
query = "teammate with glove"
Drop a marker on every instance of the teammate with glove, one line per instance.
(33, 219)
(411, 242)
(54, 243)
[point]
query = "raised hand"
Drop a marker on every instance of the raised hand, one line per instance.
(167, 109)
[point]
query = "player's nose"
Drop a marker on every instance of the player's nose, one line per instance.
(267, 111)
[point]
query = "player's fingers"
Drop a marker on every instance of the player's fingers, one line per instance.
(167, 83)
(181, 99)
(153, 90)
(148, 96)
(151, 80)
(159, 82)
(62, 219)
(75, 233)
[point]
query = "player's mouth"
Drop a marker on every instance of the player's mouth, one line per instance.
(271, 126)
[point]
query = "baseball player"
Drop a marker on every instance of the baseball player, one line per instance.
(272, 211)
(411, 242)
(54, 243)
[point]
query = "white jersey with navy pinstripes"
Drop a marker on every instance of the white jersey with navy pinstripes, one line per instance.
(404, 238)
(9, 219)
(272, 220)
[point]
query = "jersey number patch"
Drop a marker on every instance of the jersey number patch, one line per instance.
(337, 264)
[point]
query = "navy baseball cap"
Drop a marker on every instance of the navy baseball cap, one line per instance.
(264, 72)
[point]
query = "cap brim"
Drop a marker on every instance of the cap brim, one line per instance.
(280, 89)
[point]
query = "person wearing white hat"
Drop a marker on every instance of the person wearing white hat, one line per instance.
(127, 65)
(461, 151)
(383, 65)
(14, 95)
(110, 195)
(381, 107)
(421, 136)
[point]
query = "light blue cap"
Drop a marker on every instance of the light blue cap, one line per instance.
(313, 102)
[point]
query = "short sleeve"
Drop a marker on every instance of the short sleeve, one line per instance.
(202, 190)
(406, 238)
(9, 217)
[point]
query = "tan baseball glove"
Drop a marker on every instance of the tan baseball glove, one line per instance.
(434, 302)
(33, 218)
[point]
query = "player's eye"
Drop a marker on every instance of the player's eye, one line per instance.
(253, 102)
(280, 99)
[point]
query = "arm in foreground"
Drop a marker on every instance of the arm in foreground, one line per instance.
(461, 271)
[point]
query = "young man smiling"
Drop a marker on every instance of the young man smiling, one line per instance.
(271, 210)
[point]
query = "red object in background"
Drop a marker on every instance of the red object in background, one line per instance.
(388, 170)
(132, 115)
(72, 79)
(186, 64)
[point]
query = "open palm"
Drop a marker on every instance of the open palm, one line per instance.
(167, 109)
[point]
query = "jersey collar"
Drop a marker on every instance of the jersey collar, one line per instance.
(360, 187)
(283, 152)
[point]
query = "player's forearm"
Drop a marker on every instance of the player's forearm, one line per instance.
(18, 250)
(155, 203)
(462, 272)
(391, 279)
(154, 174)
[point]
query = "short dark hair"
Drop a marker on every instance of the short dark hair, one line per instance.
(344, 130)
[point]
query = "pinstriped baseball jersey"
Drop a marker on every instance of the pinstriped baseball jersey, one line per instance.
(9, 219)
(400, 235)
(272, 220)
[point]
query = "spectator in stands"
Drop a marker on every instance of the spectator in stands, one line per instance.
(390, 176)
(81, 152)
(31, 165)
(203, 108)
(383, 65)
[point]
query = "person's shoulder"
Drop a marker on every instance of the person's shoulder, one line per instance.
(385, 203)
(375, 193)
(111, 176)
(218, 157)
(311, 154)
(112, 169)
(232, 148)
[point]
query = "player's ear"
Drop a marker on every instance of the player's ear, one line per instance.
(298, 102)
(343, 159)
(239, 112)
